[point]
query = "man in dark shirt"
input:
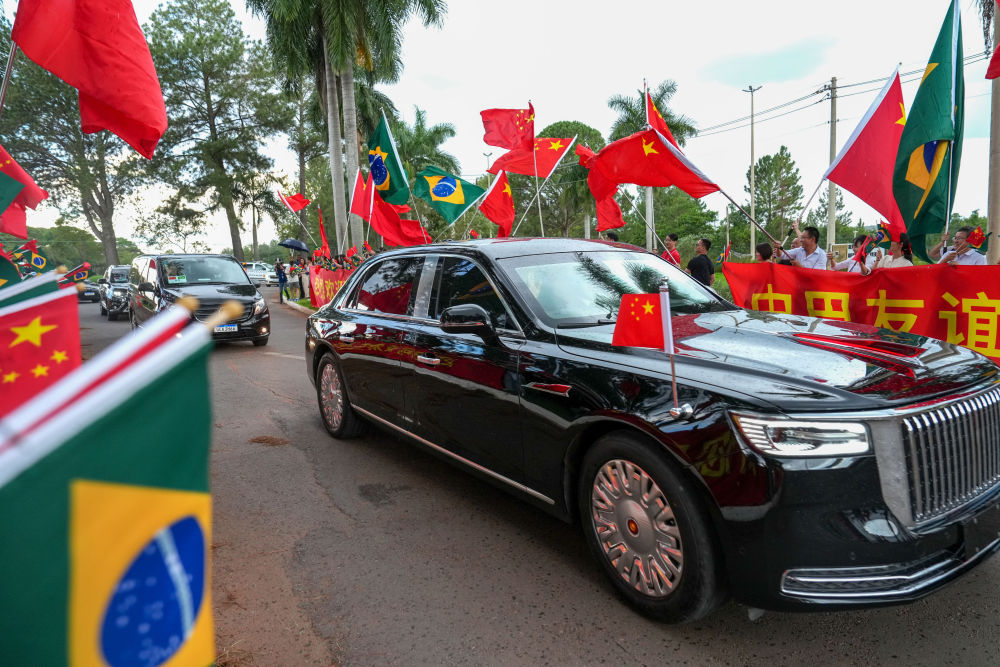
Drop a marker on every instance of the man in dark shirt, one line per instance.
(701, 267)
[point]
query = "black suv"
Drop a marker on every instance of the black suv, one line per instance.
(114, 291)
(156, 281)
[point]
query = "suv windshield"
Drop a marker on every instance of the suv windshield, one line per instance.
(585, 288)
(201, 270)
(119, 276)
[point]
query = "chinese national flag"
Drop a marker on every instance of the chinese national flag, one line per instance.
(361, 199)
(865, 164)
(655, 121)
(387, 223)
(498, 205)
(648, 158)
(97, 47)
(296, 202)
(509, 128)
(609, 214)
(39, 344)
(13, 220)
(640, 322)
(547, 154)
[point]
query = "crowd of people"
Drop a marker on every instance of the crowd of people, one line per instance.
(805, 252)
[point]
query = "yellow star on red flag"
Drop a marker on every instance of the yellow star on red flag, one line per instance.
(31, 332)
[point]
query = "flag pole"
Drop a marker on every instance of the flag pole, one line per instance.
(534, 158)
(750, 218)
(811, 197)
(7, 73)
(285, 202)
(646, 223)
(556, 166)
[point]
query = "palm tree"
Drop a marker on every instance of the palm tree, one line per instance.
(632, 113)
(987, 10)
(420, 145)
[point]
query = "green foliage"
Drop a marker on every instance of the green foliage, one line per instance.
(221, 101)
(674, 211)
(846, 229)
(64, 244)
(778, 192)
(632, 113)
(88, 175)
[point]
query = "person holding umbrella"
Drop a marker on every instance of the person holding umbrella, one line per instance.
(279, 268)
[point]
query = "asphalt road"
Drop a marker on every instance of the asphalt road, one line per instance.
(372, 552)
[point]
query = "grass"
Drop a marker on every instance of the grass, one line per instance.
(306, 303)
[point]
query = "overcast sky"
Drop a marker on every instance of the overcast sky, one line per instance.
(569, 56)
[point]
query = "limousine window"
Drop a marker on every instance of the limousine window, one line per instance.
(388, 287)
(461, 281)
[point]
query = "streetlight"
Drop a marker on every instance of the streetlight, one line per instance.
(487, 156)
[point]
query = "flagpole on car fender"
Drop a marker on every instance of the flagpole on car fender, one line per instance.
(678, 411)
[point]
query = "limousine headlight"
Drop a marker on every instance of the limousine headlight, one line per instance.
(797, 438)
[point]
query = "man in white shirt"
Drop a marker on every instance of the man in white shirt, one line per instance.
(809, 255)
(960, 254)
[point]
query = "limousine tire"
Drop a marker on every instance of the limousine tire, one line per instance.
(339, 418)
(651, 535)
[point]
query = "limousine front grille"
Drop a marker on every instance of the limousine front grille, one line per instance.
(952, 454)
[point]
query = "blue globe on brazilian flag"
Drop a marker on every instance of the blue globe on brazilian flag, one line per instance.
(447, 194)
(112, 514)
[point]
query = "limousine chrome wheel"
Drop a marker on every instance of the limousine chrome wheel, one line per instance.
(636, 528)
(645, 524)
(334, 407)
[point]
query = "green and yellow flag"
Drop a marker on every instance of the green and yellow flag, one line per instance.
(385, 166)
(930, 147)
(448, 195)
(9, 275)
(109, 516)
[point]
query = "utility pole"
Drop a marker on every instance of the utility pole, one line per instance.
(586, 226)
(487, 156)
(753, 186)
(993, 196)
(831, 193)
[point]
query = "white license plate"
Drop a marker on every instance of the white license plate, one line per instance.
(224, 328)
(88, 294)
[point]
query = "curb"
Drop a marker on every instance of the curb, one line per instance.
(294, 306)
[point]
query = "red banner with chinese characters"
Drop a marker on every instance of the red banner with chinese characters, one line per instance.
(957, 304)
(323, 284)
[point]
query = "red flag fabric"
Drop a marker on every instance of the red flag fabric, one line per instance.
(859, 256)
(993, 71)
(498, 205)
(976, 238)
(97, 47)
(361, 199)
(324, 249)
(39, 344)
(509, 128)
(609, 214)
(387, 223)
(400, 208)
(14, 220)
(639, 323)
(655, 120)
(296, 202)
(547, 153)
(648, 158)
(352, 251)
(368, 249)
(865, 163)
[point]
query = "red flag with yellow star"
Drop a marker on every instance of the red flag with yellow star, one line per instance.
(865, 163)
(509, 128)
(13, 220)
(547, 154)
(655, 120)
(648, 158)
(498, 205)
(39, 344)
(640, 322)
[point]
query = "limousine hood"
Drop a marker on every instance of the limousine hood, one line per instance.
(793, 362)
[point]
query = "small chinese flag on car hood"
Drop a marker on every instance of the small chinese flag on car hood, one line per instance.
(640, 321)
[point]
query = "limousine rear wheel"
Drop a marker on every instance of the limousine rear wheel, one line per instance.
(335, 408)
(648, 531)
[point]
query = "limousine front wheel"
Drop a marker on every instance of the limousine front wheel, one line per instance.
(335, 408)
(648, 531)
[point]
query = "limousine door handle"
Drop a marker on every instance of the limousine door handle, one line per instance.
(430, 361)
(346, 338)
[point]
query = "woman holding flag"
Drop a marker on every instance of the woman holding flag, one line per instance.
(899, 254)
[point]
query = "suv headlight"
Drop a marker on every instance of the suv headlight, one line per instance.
(775, 436)
(259, 306)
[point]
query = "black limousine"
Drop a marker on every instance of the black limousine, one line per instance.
(813, 464)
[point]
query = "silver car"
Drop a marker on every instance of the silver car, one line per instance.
(262, 273)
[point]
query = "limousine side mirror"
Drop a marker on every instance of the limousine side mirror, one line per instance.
(469, 318)
(102, 281)
(145, 287)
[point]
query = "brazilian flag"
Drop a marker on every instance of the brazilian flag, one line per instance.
(447, 194)
(385, 166)
(9, 274)
(108, 517)
(930, 147)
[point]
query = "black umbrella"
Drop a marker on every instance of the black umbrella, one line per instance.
(294, 244)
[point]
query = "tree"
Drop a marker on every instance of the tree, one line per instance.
(779, 192)
(88, 175)
(220, 101)
(817, 217)
(254, 192)
(176, 223)
(64, 244)
(674, 212)
(632, 113)
(419, 147)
